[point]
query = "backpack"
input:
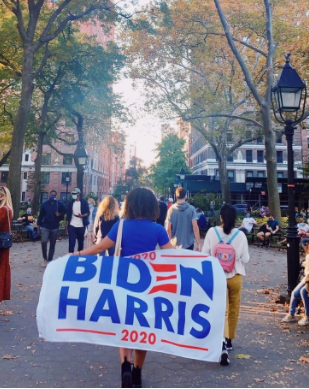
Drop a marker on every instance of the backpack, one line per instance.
(225, 252)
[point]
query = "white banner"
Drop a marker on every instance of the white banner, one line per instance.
(170, 301)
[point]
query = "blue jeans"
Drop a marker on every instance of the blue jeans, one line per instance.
(51, 236)
(298, 293)
(30, 229)
(76, 233)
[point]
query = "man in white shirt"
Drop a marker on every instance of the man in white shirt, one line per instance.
(247, 224)
(77, 220)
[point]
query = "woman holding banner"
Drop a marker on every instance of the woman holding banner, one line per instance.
(140, 234)
(226, 231)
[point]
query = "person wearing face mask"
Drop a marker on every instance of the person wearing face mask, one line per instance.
(51, 213)
(27, 220)
(247, 224)
(77, 220)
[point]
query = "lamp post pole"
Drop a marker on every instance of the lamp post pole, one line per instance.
(288, 93)
(293, 266)
(67, 182)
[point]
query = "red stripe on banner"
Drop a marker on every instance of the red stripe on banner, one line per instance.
(291, 185)
(160, 278)
(163, 268)
(81, 330)
(184, 256)
(171, 288)
(184, 345)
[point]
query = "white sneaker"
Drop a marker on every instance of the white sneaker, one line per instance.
(304, 321)
(44, 263)
(288, 319)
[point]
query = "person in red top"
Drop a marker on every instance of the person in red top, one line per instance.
(170, 203)
(6, 215)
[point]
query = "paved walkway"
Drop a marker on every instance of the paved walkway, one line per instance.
(267, 353)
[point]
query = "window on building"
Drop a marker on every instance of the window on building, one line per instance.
(279, 156)
(249, 156)
(64, 196)
(26, 157)
(229, 137)
(230, 158)
(43, 197)
(248, 136)
(44, 178)
(231, 175)
(249, 173)
(261, 173)
(260, 156)
(69, 138)
(46, 158)
(23, 196)
(4, 177)
(25, 175)
(308, 143)
(259, 140)
(67, 160)
(279, 139)
(280, 174)
(217, 175)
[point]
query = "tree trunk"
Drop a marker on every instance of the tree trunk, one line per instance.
(224, 181)
(14, 179)
(271, 163)
(37, 175)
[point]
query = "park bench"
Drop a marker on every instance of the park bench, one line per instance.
(20, 234)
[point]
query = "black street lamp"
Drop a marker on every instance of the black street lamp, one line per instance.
(67, 182)
(80, 159)
(288, 94)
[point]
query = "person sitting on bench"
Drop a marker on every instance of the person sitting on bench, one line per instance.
(247, 224)
(267, 230)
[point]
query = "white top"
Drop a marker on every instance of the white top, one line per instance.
(240, 244)
(248, 223)
(76, 221)
(302, 227)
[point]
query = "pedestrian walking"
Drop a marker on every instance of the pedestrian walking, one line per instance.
(51, 213)
(140, 234)
(212, 208)
(182, 225)
(163, 211)
(77, 220)
(234, 278)
(107, 216)
(6, 216)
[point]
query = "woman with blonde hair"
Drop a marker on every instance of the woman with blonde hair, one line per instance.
(6, 215)
(106, 217)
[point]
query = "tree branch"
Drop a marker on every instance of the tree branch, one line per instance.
(5, 158)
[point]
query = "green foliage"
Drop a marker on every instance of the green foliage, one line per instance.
(170, 159)
(93, 196)
(136, 174)
(202, 200)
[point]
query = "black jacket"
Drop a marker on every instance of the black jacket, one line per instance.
(84, 209)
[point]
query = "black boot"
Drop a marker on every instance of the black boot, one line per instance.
(126, 374)
(136, 377)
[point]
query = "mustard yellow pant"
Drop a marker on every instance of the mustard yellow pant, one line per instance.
(233, 296)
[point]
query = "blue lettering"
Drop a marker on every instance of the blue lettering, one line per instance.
(107, 296)
(138, 311)
(163, 315)
(204, 279)
(80, 303)
(123, 271)
(195, 314)
(181, 317)
(86, 263)
(106, 270)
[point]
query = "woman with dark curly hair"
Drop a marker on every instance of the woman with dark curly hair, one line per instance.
(140, 234)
